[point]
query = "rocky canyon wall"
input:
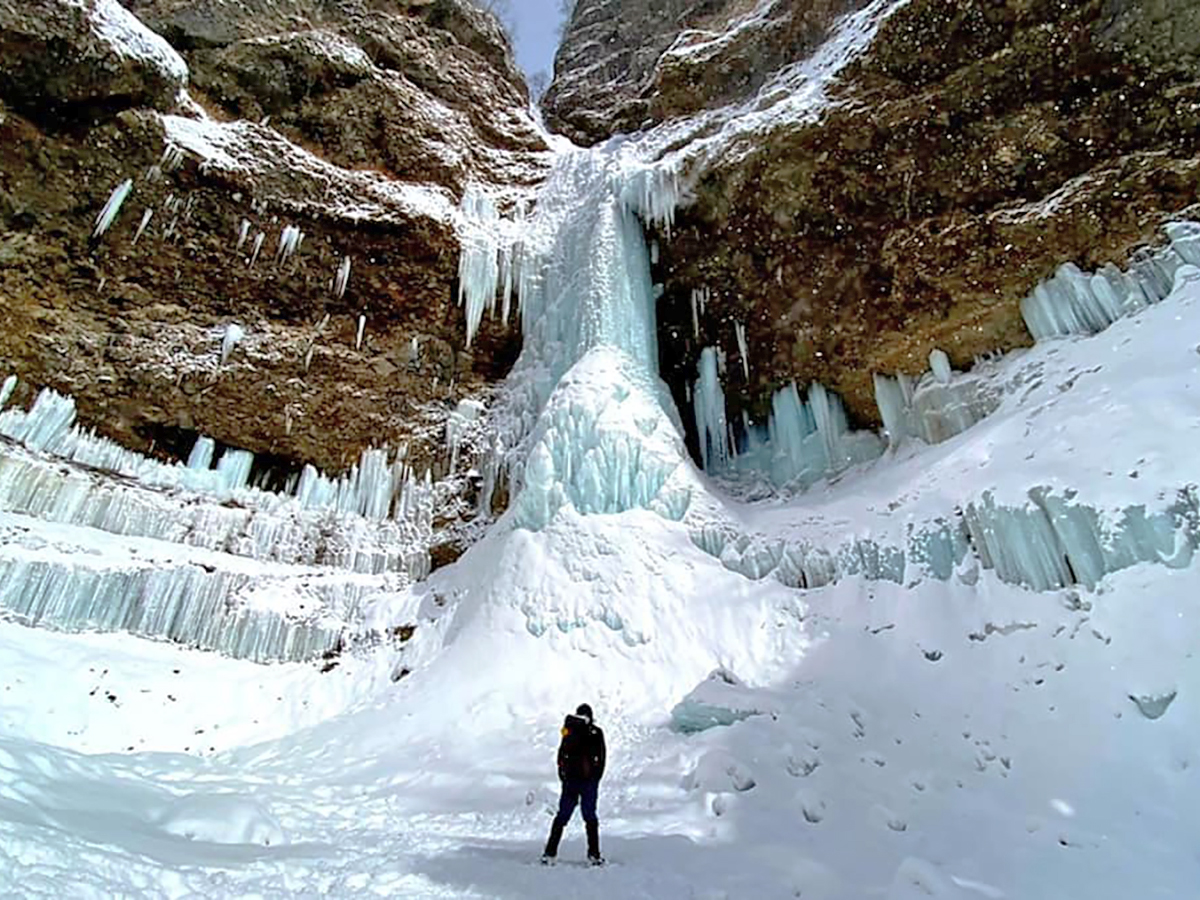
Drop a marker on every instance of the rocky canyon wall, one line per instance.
(355, 123)
(972, 148)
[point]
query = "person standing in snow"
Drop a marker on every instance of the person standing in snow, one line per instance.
(581, 758)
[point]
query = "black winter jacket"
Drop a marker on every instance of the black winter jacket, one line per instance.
(581, 755)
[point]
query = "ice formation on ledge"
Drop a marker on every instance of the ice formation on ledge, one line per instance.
(1051, 542)
(1074, 303)
(931, 409)
(379, 487)
(233, 335)
(187, 604)
(112, 208)
(257, 525)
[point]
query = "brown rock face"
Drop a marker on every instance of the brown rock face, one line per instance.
(970, 150)
(66, 59)
(131, 323)
(625, 64)
(424, 91)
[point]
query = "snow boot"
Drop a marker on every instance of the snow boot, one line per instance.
(593, 842)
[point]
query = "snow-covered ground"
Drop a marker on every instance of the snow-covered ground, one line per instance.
(961, 738)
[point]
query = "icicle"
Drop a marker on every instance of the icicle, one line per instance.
(258, 243)
(109, 213)
(358, 338)
(740, 332)
(342, 278)
(243, 233)
(289, 243)
(201, 456)
(142, 226)
(172, 158)
(939, 363)
(233, 334)
(6, 389)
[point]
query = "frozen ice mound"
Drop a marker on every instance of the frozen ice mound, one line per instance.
(721, 699)
(222, 819)
(603, 444)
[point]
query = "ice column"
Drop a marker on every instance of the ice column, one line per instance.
(708, 400)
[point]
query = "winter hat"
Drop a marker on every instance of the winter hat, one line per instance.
(584, 712)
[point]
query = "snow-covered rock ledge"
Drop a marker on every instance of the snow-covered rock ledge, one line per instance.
(56, 53)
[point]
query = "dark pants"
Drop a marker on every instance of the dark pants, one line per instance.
(577, 793)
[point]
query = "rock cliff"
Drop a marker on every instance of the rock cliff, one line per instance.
(354, 124)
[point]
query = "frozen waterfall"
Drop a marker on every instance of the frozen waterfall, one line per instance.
(584, 419)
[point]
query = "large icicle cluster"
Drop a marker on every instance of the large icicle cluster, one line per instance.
(259, 526)
(1051, 542)
(187, 604)
(805, 439)
(216, 564)
(378, 487)
(490, 261)
(936, 406)
(1074, 303)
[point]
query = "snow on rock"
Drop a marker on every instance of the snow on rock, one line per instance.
(130, 39)
(96, 49)
(302, 181)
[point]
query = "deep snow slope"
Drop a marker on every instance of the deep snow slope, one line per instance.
(960, 738)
